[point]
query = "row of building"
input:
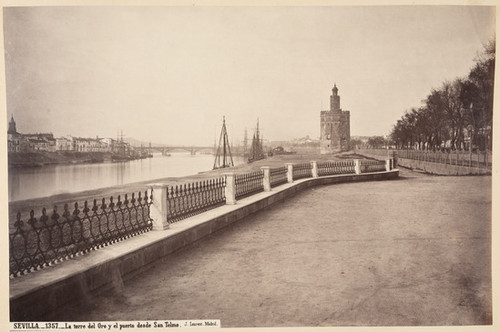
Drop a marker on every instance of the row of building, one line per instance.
(17, 142)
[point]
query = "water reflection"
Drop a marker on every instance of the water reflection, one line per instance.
(50, 180)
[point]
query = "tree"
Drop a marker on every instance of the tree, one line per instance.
(448, 111)
(477, 95)
(354, 142)
(376, 142)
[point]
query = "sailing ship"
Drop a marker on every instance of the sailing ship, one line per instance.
(257, 148)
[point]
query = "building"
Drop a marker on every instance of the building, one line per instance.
(14, 139)
(18, 142)
(40, 142)
(335, 127)
(64, 144)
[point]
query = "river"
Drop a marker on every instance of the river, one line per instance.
(28, 183)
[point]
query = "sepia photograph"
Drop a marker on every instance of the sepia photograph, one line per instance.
(248, 165)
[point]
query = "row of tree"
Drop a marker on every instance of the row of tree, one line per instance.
(373, 142)
(454, 115)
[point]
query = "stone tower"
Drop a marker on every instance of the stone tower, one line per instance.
(12, 126)
(335, 126)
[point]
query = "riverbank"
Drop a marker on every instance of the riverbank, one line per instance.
(342, 255)
(36, 204)
(88, 274)
(42, 158)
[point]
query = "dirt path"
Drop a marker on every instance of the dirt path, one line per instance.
(414, 251)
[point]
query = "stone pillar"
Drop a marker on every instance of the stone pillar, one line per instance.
(289, 173)
(394, 159)
(357, 166)
(314, 169)
(158, 210)
(230, 189)
(267, 178)
(388, 165)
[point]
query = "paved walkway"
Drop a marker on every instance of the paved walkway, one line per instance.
(414, 251)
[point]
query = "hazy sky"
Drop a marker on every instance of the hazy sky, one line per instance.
(169, 74)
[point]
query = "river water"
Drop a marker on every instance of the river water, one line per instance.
(27, 183)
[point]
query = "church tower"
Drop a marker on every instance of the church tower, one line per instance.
(12, 126)
(335, 126)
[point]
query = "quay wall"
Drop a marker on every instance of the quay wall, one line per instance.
(35, 295)
(40, 158)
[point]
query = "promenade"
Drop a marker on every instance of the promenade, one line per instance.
(413, 251)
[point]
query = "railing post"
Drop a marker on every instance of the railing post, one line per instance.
(158, 211)
(289, 172)
(267, 178)
(357, 166)
(388, 165)
(314, 169)
(395, 159)
(230, 189)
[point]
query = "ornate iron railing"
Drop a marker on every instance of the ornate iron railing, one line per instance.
(301, 171)
(249, 184)
(189, 199)
(278, 176)
(39, 242)
(372, 166)
(335, 167)
(43, 241)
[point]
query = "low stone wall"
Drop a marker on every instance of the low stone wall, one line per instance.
(426, 166)
(441, 169)
(34, 296)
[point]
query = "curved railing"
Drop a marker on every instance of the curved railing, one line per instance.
(53, 237)
(249, 184)
(58, 235)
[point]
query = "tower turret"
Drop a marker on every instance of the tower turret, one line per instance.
(335, 99)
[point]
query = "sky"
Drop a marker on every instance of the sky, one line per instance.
(169, 74)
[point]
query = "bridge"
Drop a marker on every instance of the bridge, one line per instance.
(193, 149)
(167, 149)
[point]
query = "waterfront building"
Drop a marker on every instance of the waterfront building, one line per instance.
(84, 144)
(107, 143)
(14, 139)
(18, 142)
(40, 142)
(64, 144)
(335, 126)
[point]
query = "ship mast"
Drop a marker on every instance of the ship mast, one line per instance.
(223, 157)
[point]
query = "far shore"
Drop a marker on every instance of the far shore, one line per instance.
(43, 158)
